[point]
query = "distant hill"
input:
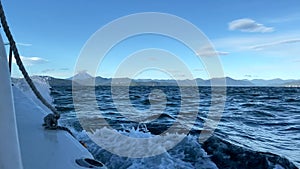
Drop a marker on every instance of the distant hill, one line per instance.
(272, 82)
(295, 83)
(59, 82)
(232, 82)
(85, 79)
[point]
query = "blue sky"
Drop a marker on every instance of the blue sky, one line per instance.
(257, 39)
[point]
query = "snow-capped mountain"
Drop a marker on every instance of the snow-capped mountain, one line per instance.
(83, 75)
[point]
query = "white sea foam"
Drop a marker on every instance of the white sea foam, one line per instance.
(277, 166)
(41, 84)
(187, 154)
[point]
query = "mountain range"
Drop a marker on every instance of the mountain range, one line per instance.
(84, 79)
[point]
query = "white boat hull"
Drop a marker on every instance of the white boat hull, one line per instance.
(9, 145)
(25, 143)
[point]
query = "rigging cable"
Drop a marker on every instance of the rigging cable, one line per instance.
(13, 48)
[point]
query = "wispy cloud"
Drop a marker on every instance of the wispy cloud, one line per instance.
(279, 44)
(212, 53)
(24, 44)
(47, 70)
(198, 70)
(248, 25)
(208, 51)
(64, 69)
(30, 61)
(276, 43)
(222, 53)
(248, 76)
(287, 18)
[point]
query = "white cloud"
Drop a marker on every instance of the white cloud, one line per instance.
(255, 47)
(211, 53)
(222, 53)
(248, 25)
(279, 44)
(276, 43)
(30, 61)
(47, 70)
(207, 51)
(24, 44)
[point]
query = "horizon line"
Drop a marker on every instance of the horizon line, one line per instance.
(69, 78)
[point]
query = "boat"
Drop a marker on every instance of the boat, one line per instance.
(25, 143)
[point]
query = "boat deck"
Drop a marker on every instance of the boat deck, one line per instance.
(40, 148)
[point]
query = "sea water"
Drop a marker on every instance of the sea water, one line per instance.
(265, 119)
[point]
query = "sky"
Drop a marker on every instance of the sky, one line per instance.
(253, 39)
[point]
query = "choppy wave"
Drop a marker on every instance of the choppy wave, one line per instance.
(228, 155)
(41, 84)
(255, 121)
(187, 154)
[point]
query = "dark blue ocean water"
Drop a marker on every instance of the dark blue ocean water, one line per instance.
(265, 119)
